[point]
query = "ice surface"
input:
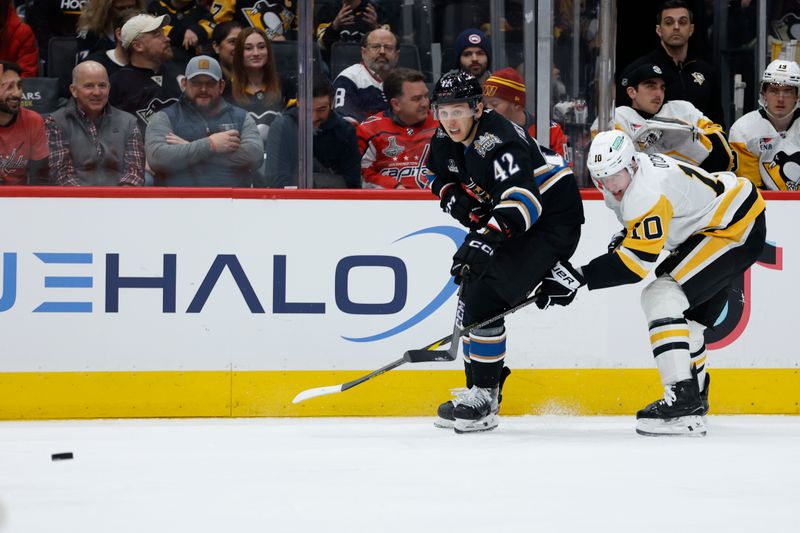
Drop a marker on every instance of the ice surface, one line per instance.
(533, 474)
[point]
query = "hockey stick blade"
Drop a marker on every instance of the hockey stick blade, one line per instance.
(313, 393)
(333, 389)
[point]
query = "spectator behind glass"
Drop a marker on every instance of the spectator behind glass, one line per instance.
(255, 85)
(473, 51)
(203, 141)
(115, 58)
(336, 156)
(768, 140)
(17, 44)
(223, 41)
(147, 83)
(359, 88)
(504, 92)
(190, 26)
(95, 25)
(346, 23)
(277, 18)
(688, 77)
(394, 144)
(52, 18)
(676, 128)
(23, 143)
(91, 142)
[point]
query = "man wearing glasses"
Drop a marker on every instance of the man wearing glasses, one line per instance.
(358, 89)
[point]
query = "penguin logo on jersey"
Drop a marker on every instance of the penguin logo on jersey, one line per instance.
(650, 138)
(698, 78)
(153, 106)
(785, 168)
(394, 149)
(268, 16)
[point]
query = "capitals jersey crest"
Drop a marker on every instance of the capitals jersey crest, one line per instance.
(485, 143)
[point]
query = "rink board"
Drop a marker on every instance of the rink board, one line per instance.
(228, 303)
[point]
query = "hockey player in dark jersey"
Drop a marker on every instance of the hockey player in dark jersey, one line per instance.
(524, 216)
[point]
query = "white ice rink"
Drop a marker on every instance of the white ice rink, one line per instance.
(532, 474)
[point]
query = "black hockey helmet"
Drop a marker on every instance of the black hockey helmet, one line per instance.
(455, 87)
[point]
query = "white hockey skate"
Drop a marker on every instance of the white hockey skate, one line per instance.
(477, 411)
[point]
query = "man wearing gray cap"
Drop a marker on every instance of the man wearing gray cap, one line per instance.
(203, 141)
(148, 83)
(675, 127)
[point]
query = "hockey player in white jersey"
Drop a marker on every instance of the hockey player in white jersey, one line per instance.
(767, 140)
(675, 128)
(714, 227)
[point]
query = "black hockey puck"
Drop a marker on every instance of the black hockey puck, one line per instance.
(61, 456)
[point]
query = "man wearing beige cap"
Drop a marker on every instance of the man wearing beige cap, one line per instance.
(148, 83)
(203, 141)
(504, 92)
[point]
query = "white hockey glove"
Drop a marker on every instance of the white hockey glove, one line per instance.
(664, 135)
(560, 286)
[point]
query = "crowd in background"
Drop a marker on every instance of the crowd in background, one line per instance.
(194, 92)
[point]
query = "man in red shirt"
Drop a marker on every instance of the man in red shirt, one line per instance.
(394, 144)
(17, 43)
(23, 143)
(504, 92)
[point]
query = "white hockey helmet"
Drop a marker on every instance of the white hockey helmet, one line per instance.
(782, 72)
(610, 152)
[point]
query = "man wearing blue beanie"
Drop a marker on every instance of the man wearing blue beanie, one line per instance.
(473, 49)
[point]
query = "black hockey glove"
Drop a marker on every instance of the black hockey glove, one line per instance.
(616, 240)
(560, 286)
(463, 207)
(476, 252)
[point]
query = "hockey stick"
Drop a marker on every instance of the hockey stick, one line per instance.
(423, 355)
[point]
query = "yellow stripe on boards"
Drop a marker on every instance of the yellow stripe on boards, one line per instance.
(28, 396)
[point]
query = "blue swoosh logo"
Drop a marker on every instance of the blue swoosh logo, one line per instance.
(457, 236)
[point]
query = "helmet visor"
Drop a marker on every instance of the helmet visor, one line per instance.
(453, 111)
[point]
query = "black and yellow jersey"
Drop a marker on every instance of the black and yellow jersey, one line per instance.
(278, 18)
(192, 16)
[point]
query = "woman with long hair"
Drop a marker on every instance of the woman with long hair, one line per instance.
(96, 24)
(223, 41)
(255, 85)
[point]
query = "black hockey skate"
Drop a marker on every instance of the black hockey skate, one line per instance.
(678, 413)
(445, 418)
(477, 411)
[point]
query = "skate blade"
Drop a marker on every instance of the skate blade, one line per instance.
(486, 423)
(683, 426)
(443, 423)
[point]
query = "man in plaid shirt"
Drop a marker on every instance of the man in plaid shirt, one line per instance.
(91, 142)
